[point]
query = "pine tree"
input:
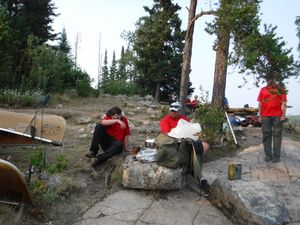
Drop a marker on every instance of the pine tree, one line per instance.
(260, 55)
(122, 75)
(113, 68)
(105, 72)
(63, 44)
(297, 22)
(29, 20)
(158, 43)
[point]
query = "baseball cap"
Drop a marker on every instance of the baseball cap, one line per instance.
(175, 106)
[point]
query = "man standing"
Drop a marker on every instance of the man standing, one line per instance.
(272, 108)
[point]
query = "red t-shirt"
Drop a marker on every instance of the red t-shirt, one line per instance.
(116, 131)
(271, 101)
(168, 123)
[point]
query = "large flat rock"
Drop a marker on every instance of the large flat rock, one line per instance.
(270, 182)
(251, 202)
(129, 207)
(150, 176)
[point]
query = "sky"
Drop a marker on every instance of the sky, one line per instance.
(98, 24)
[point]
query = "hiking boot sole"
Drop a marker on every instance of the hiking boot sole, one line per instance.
(90, 155)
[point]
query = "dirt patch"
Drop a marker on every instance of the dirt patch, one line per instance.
(81, 186)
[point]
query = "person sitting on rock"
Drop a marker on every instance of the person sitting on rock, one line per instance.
(111, 134)
(165, 143)
(170, 121)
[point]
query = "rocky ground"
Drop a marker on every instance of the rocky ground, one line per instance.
(80, 186)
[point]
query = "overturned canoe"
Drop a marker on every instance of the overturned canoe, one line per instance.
(13, 186)
(23, 128)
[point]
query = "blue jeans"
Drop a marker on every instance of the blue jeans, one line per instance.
(272, 133)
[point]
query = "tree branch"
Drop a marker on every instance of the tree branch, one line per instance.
(202, 13)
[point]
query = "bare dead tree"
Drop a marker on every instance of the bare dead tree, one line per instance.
(187, 53)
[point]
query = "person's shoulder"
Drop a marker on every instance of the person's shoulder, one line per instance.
(165, 117)
(106, 117)
(124, 118)
(263, 89)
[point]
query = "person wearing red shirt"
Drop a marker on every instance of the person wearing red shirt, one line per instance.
(170, 121)
(272, 108)
(195, 103)
(111, 134)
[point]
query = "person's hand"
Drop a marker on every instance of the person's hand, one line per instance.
(259, 119)
(122, 124)
(282, 118)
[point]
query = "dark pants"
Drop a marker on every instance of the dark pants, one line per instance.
(108, 144)
(272, 134)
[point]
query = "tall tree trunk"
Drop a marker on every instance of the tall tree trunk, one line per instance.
(220, 75)
(187, 54)
(221, 64)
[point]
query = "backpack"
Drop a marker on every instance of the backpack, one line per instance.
(173, 153)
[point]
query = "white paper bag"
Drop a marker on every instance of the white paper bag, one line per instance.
(185, 129)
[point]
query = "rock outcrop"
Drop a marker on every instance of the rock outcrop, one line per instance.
(250, 202)
(150, 176)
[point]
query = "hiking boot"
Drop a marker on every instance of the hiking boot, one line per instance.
(275, 160)
(94, 163)
(267, 159)
(98, 161)
(90, 155)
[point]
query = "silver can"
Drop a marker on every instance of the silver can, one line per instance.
(150, 143)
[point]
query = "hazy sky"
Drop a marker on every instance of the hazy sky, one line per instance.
(91, 19)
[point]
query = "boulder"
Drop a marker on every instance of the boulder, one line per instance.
(150, 176)
(250, 202)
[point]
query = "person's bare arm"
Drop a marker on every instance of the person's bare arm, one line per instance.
(125, 143)
(259, 111)
(111, 122)
(283, 108)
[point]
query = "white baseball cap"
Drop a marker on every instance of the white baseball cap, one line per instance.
(175, 106)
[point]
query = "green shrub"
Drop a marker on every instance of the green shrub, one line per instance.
(20, 98)
(83, 88)
(60, 164)
(120, 87)
(37, 160)
(211, 120)
(41, 192)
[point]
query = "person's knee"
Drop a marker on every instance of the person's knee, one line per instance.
(100, 129)
(205, 147)
(118, 144)
(99, 126)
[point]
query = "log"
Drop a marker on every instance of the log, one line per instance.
(242, 110)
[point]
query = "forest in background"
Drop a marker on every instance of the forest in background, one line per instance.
(151, 62)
